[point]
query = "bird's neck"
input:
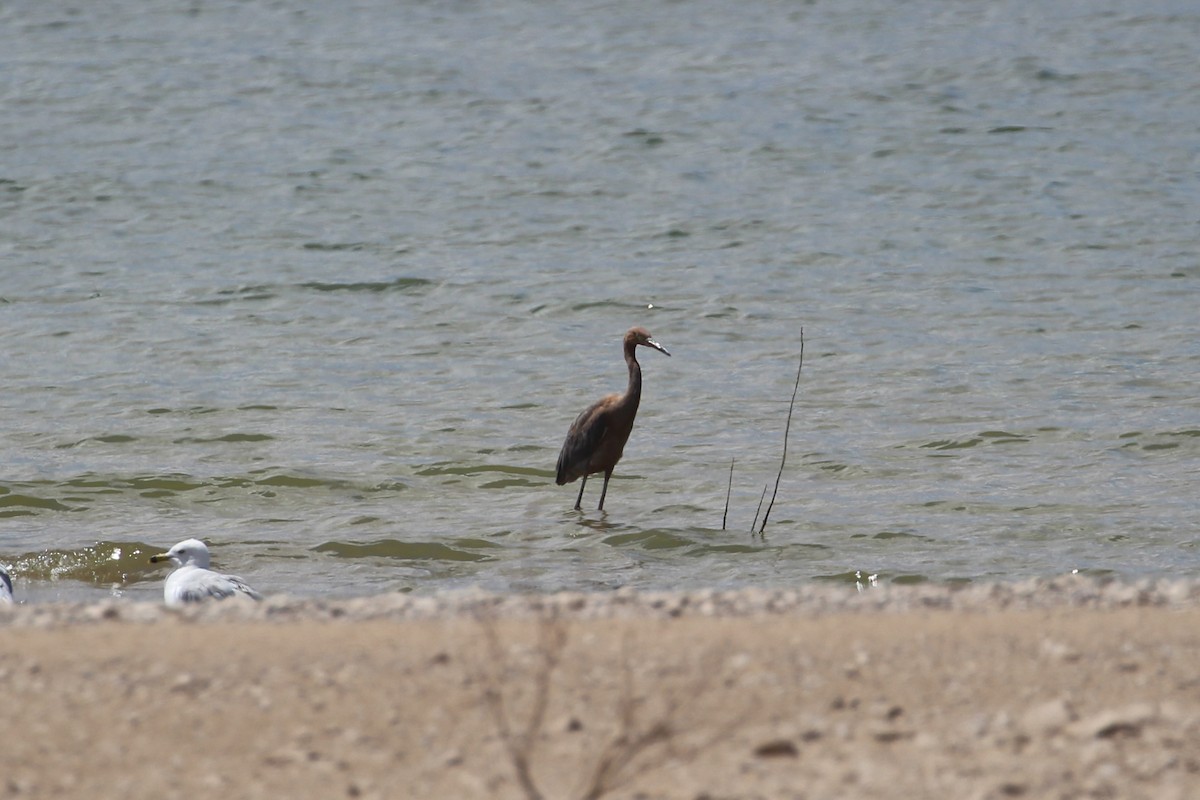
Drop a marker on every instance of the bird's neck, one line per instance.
(633, 394)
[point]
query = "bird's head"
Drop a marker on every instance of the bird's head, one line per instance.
(189, 551)
(639, 335)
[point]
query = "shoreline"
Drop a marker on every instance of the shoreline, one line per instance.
(1063, 592)
(1063, 687)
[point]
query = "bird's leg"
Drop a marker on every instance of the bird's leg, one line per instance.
(604, 491)
(582, 484)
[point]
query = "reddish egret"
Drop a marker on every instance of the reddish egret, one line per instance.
(598, 435)
(194, 581)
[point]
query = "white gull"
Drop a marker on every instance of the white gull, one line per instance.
(194, 582)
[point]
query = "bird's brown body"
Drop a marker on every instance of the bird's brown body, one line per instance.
(597, 437)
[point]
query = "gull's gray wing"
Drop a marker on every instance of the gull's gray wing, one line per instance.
(201, 584)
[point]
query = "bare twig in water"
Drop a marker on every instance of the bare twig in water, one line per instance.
(728, 490)
(787, 429)
(758, 510)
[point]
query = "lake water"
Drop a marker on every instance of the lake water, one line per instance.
(326, 286)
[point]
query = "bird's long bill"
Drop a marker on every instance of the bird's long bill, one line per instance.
(157, 557)
(658, 347)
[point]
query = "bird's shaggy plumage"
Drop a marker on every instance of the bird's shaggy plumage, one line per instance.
(596, 439)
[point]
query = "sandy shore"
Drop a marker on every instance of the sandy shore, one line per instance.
(1060, 688)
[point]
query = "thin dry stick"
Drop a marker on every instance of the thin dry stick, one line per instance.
(619, 755)
(672, 732)
(616, 764)
(786, 430)
(552, 637)
(728, 490)
(758, 510)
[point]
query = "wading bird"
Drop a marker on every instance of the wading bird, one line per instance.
(194, 581)
(597, 436)
(6, 597)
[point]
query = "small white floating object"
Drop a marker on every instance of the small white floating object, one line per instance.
(194, 582)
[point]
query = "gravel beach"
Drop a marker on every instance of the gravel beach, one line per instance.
(1049, 688)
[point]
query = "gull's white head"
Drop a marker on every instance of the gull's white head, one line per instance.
(189, 552)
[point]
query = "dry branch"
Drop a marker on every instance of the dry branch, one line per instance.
(728, 491)
(520, 744)
(652, 728)
(787, 429)
(668, 732)
(758, 510)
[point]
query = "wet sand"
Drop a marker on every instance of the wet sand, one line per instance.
(1060, 688)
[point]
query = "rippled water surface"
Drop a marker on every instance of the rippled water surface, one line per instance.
(325, 287)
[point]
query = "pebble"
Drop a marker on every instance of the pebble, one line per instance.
(1115, 723)
(1066, 592)
(1048, 718)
